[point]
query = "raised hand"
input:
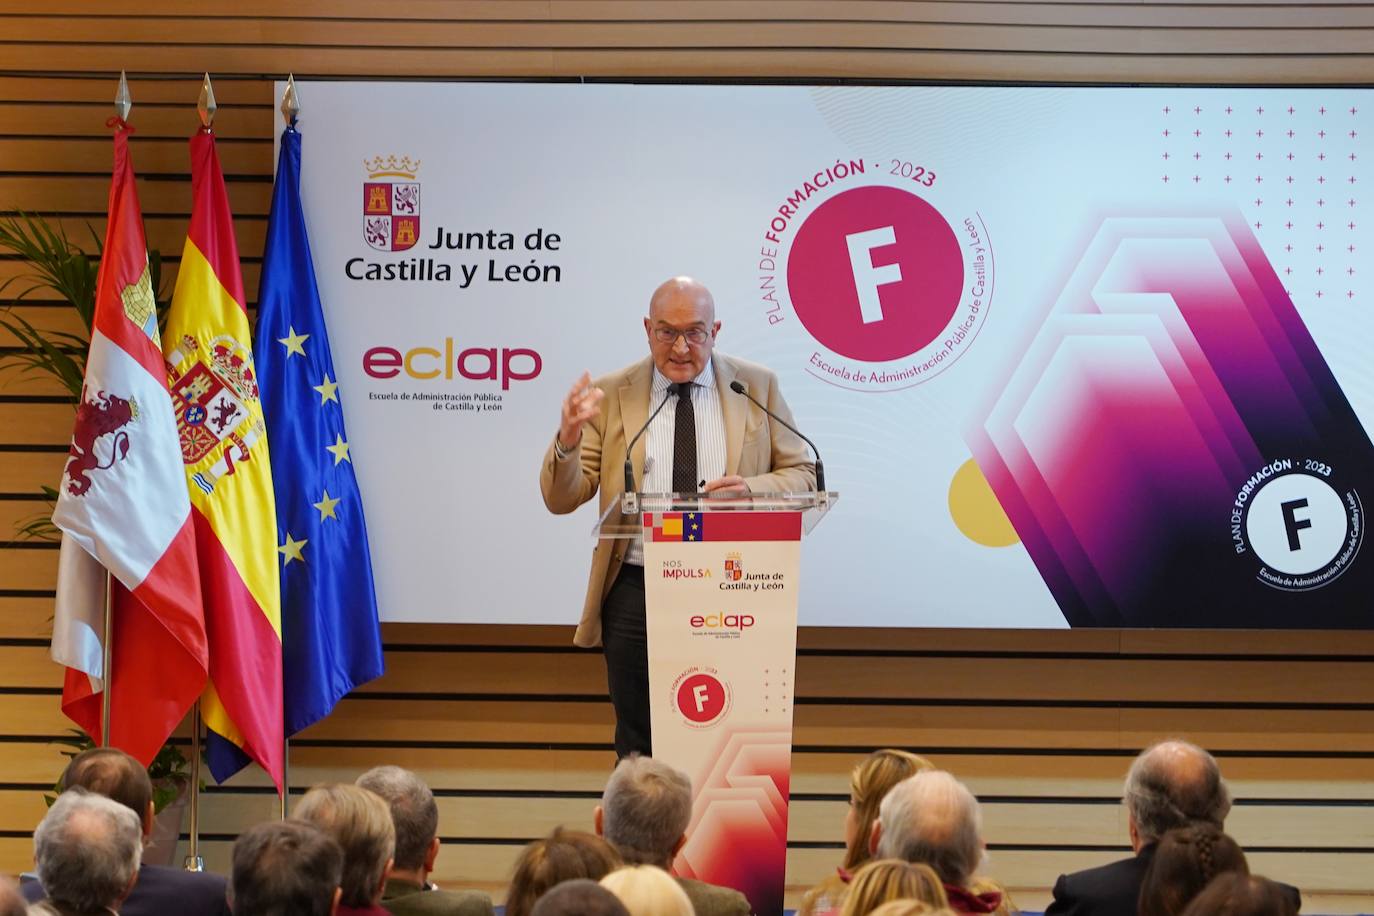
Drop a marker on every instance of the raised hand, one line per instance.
(582, 403)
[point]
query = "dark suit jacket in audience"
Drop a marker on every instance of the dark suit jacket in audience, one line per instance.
(1113, 889)
(161, 891)
(405, 898)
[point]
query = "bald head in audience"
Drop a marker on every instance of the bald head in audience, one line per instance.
(1173, 784)
(87, 851)
(110, 772)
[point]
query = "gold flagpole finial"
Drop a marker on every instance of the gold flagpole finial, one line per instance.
(290, 102)
(124, 103)
(206, 106)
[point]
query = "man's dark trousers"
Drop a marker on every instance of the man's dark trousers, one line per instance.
(627, 660)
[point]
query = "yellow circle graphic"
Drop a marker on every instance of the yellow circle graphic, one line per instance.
(976, 511)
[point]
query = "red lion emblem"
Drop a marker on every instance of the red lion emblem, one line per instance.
(100, 416)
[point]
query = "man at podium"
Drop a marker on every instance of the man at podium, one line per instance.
(705, 437)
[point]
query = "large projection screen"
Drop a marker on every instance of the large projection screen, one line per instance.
(1073, 356)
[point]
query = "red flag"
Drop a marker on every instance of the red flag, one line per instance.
(123, 507)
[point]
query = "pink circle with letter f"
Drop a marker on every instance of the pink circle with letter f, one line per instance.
(875, 273)
(701, 698)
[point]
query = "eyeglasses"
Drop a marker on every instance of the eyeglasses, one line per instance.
(694, 336)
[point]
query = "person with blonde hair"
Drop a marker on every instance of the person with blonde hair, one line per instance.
(869, 781)
(563, 855)
(885, 880)
(647, 890)
(360, 822)
(910, 908)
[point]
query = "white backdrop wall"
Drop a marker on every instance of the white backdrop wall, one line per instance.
(639, 183)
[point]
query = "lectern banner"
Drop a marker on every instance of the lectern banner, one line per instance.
(721, 593)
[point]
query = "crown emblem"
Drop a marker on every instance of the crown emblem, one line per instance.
(233, 363)
(391, 166)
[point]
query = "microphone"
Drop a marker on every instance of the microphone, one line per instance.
(738, 388)
(629, 468)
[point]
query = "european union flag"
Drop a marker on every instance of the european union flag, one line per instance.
(331, 639)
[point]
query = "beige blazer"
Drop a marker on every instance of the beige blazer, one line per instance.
(770, 457)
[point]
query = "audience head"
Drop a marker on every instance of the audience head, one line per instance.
(1185, 861)
(563, 855)
(886, 880)
(1235, 894)
(285, 868)
(869, 782)
(360, 823)
(110, 772)
(579, 897)
(413, 812)
(645, 810)
(1173, 784)
(647, 890)
(911, 908)
(931, 818)
(12, 903)
(87, 850)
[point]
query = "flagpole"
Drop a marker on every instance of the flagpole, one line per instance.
(290, 109)
(194, 862)
(285, 774)
(107, 662)
(123, 104)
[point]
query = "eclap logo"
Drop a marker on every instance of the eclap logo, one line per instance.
(721, 624)
(503, 364)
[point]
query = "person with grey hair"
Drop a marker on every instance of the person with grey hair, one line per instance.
(408, 891)
(644, 813)
(160, 889)
(1170, 784)
(933, 819)
(87, 850)
(286, 868)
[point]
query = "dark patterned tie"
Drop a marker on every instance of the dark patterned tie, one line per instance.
(684, 441)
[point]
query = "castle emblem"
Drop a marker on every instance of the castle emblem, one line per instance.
(391, 208)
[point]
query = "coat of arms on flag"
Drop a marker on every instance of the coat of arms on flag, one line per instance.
(391, 209)
(212, 401)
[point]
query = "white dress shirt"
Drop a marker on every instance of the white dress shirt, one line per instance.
(657, 476)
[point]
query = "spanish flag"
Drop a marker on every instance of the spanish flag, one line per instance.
(214, 387)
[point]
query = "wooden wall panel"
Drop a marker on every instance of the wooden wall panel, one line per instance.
(1041, 724)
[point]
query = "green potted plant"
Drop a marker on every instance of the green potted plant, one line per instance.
(58, 266)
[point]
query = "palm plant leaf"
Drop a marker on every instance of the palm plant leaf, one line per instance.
(58, 265)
